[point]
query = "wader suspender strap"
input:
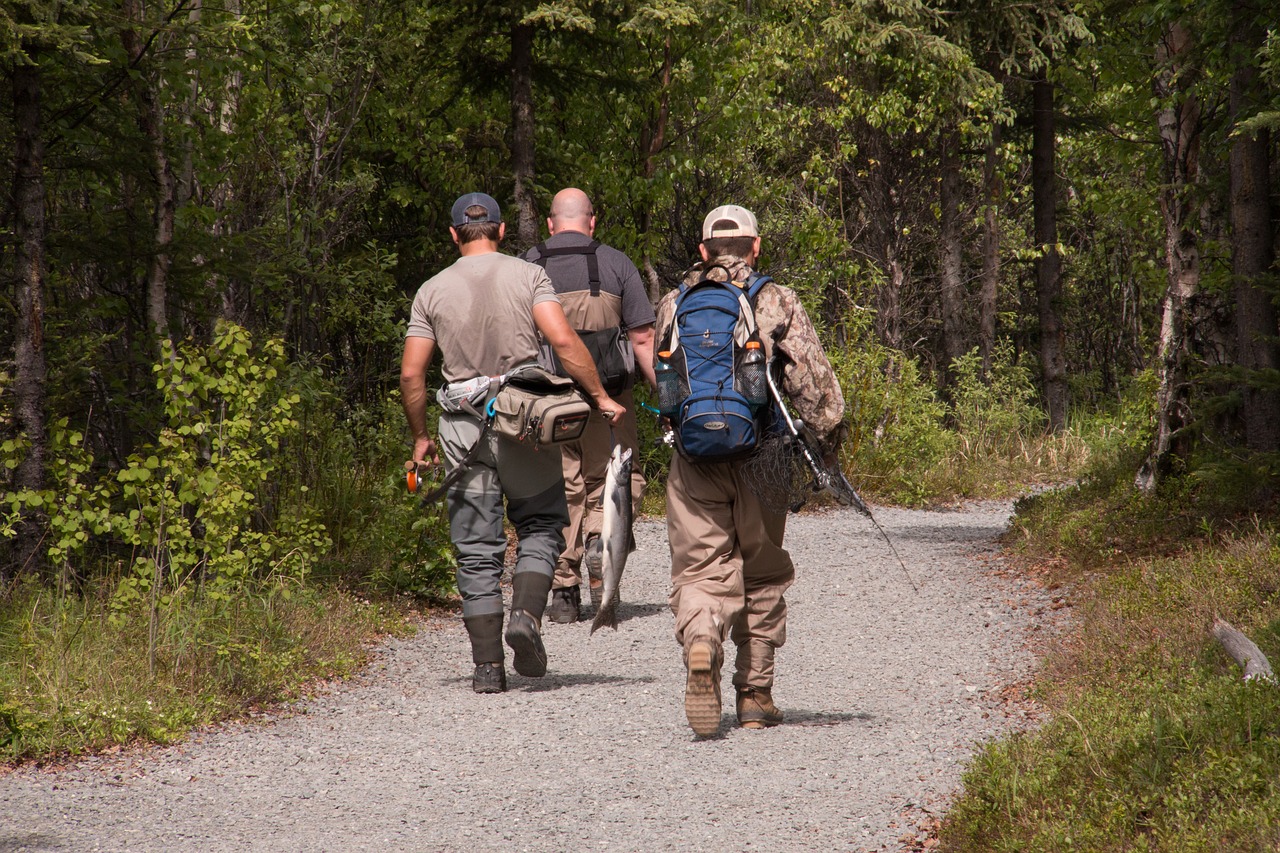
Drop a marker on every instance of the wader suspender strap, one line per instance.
(589, 250)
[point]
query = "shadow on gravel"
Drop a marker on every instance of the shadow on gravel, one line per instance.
(29, 842)
(794, 718)
(825, 718)
(975, 533)
(555, 681)
(559, 681)
(627, 612)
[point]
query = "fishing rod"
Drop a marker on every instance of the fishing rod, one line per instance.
(826, 478)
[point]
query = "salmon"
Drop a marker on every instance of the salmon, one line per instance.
(615, 535)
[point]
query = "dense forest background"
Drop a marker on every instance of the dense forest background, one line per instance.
(219, 212)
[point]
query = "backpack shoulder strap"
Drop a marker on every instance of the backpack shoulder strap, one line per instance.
(755, 283)
(589, 251)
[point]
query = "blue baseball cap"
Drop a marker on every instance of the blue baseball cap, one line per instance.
(492, 213)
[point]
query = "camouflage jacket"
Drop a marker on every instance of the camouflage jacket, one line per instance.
(807, 380)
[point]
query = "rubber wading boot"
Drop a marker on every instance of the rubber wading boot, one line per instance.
(489, 678)
(702, 690)
(525, 639)
(486, 637)
(524, 628)
(756, 709)
(565, 606)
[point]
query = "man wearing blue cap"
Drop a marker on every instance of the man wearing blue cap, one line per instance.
(483, 313)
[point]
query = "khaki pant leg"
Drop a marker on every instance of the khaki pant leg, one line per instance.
(585, 464)
(706, 562)
(575, 494)
(767, 571)
(629, 436)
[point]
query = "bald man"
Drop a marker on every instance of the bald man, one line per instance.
(603, 295)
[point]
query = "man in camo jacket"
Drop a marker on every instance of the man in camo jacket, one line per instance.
(729, 570)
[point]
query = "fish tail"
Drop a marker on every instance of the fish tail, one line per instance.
(607, 615)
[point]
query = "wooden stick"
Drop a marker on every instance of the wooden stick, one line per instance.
(1244, 651)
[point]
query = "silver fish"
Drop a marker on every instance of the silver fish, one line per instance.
(615, 534)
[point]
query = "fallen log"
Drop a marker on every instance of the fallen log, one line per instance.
(1243, 650)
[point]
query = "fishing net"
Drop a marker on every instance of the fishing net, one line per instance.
(777, 474)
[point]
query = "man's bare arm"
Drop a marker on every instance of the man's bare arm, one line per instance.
(413, 394)
(641, 339)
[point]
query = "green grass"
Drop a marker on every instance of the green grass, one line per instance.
(1153, 739)
(76, 679)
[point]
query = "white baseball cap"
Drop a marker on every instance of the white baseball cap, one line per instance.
(730, 220)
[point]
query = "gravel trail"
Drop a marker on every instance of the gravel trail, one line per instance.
(886, 690)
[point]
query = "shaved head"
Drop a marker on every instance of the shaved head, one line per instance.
(571, 211)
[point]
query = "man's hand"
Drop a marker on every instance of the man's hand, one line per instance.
(610, 408)
(425, 450)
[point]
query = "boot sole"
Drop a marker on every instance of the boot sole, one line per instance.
(701, 703)
(760, 724)
(530, 656)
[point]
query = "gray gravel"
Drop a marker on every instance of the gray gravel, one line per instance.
(887, 691)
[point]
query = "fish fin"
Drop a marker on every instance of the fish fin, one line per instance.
(606, 616)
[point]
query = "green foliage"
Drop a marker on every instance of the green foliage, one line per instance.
(1155, 742)
(384, 538)
(654, 452)
(199, 505)
(1186, 765)
(76, 677)
(895, 422)
(998, 412)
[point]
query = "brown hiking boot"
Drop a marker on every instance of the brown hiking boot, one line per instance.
(565, 606)
(702, 690)
(756, 709)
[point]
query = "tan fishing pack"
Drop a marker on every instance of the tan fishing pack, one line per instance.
(539, 408)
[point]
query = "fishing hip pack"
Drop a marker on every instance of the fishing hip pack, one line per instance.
(611, 351)
(538, 408)
(711, 362)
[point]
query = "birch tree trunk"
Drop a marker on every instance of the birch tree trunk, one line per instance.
(1179, 124)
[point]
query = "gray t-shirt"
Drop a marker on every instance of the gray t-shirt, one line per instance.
(479, 311)
(619, 280)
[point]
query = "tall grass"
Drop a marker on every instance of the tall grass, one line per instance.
(1154, 741)
(74, 678)
(907, 445)
(198, 580)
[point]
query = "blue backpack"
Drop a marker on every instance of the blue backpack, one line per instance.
(716, 397)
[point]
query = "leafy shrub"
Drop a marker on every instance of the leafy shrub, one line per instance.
(384, 537)
(997, 413)
(896, 433)
(199, 504)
